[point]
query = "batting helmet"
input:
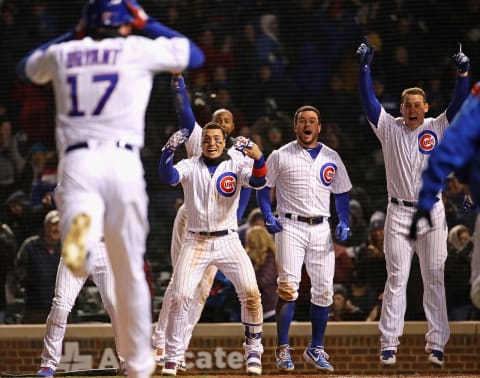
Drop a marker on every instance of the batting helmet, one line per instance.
(107, 13)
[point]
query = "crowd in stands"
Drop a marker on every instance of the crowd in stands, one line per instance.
(263, 60)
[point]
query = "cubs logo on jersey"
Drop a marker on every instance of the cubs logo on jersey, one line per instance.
(327, 173)
(227, 184)
(427, 140)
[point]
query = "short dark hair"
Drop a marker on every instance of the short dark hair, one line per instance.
(304, 109)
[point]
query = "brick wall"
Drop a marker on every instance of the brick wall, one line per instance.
(216, 348)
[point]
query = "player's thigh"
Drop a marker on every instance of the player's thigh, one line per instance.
(399, 249)
(432, 252)
(67, 287)
(190, 267)
(291, 244)
(320, 265)
(236, 265)
(80, 192)
(178, 233)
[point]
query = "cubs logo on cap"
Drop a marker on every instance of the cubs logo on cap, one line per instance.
(227, 184)
(427, 140)
(327, 173)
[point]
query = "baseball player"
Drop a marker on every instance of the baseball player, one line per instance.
(459, 151)
(102, 84)
(193, 146)
(211, 185)
(304, 173)
(67, 288)
(407, 143)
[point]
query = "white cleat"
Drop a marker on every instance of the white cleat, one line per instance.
(170, 368)
(74, 249)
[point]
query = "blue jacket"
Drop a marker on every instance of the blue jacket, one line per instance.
(458, 152)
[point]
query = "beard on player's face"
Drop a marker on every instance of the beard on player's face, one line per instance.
(307, 136)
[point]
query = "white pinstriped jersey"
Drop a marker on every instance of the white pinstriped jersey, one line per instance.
(91, 78)
(303, 185)
(406, 151)
(209, 199)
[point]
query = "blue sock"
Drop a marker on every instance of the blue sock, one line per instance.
(284, 315)
(319, 318)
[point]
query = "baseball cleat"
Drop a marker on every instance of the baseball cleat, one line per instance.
(74, 249)
(436, 358)
(170, 368)
(45, 372)
(254, 363)
(388, 357)
(182, 366)
(317, 357)
(159, 357)
(284, 360)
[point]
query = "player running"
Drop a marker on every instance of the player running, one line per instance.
(102, 84)
(407, 143)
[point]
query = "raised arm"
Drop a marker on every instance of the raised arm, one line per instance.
(181, 101)
(166, 171)
(462, 62)
(370, 104)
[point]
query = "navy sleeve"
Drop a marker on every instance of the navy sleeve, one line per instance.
(181, 101)
(370, 104)
(342, 205)
(457, 148)
(166, 171)
(263, 200)
(459, 95)
(243, 202)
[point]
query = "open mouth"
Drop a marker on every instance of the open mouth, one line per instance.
(412, 118)
(307, 132)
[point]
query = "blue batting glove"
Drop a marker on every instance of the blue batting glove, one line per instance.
(272, 224)
(365, 53)
(342, 231)
(461, 60)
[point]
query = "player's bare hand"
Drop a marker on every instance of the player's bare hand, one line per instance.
(461, 60)
(140, 18)
(272, 224)
(342, 231)
(365, 53)
(419, 214)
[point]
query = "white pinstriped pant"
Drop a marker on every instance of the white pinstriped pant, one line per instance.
(199, 252)
(431, 248)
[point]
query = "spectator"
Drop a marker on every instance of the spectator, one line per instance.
(8, 247)
(23, 219)
(261, 249)
(36, 269)
(343, 265)
(255, 218)
(457, 273)
(342, 308)
(370, 266)
(11, 161)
